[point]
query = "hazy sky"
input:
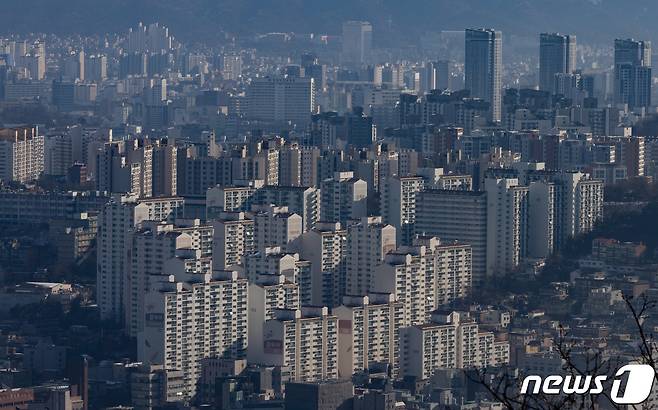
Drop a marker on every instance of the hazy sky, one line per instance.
(595, 20)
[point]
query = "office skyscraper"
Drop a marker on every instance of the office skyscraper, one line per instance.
(443, 74)
(633, 73)
(281, 99)
(557, 54)
(357, 42)
(456, 216)
(483, 67)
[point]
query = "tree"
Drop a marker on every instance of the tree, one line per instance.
(505, 386)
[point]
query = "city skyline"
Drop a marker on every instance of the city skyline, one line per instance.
(346, 221)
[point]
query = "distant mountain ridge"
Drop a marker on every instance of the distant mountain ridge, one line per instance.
(594, 20)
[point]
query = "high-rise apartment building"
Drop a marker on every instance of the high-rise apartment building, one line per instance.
(425, 276)
(231, 198)
(542, 219)
(231, 67)
(267, 293)
(115, 222)
(557, 55)
(258, 161)
(298, 165)
(189, 317)
(325, 247)
(448, 271)
(96, 68)
(628, 151)
(398, 204)
(233, 238)
(133, 166)
(275, 261)
(576, 200)
(451, 340)
(402, 273)
(483, 68)
(22, 156)
(74, 66)
(305, 341)
(149, 247)
(275, 226)
(368, 242)
(153, 38)
(300, 200)
(343, 198)
(443, 72)
(507, 224)
(58, 150)
(580, 203)
(369, 333)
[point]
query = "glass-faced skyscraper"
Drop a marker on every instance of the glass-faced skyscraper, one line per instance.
(483, 67)
(557, 55)
(633, 73)
(357, 43)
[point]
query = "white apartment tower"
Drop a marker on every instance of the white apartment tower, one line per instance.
(267, 293)
(231, 198)
(115, 221)
(301, 200)
(325, 248)
(21, 154)
(343, 198)
(233, 238)
(451, 340)
(399, 205)
(275, 226)
(448, 271)
(305, 341)
(425, 276)
(114, 243)
(580, 204)
(368, 333)
(368, 242)
(561, 205)
(149, 247)
(507, 224)
(275, 261)
(402, 274)
(191, 317)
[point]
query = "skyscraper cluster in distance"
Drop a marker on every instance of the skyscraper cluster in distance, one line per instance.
(315, 221)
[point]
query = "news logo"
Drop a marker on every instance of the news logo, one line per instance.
(639, 382)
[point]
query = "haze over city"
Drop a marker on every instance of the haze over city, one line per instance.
(365, 205)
